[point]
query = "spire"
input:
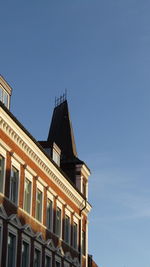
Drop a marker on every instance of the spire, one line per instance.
(61, 131)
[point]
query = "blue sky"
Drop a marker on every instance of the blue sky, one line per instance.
(100, 51)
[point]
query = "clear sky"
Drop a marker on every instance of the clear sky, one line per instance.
(100, 51)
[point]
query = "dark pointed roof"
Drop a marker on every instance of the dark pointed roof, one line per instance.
(61, 132)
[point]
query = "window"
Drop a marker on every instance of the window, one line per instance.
(4, 97)
(57, 264)
(14, 180)
(39, 205)
(2, 163)
(66, 264)
(0, 240)
(84, 188)
(49, 213)
(58, 221)
(11, 261)
(83, 243)
(67, 229)
(27, 195)
(48, 261)
(75, 227)
(37, 258)
(25, 254)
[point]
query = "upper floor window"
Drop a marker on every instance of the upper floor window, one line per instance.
(67, 229)
(2, 164)
(48, 261)
(84, 188)
(57, 263)
(4, 97)
(39, 205)
(11, 257)
(25, 254)
(49, 213)
(56, 154)
(58, 221)
(75, 234)
(27, 195)
(14, 181)
(83, 243)
(0, 240)
(37, 258)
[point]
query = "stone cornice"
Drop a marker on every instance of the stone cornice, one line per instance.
(24, 142)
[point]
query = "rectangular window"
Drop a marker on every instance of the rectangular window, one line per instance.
(57, 264)
(83, 243)
(2, 164)
(14, 181)
(75, 233)
(48, 261)
(25, 254)
(67, 229)
(49, 213)
(11, 250)
(0, 242)
(37, 258)
(39, 205)
(27, 195)
(58, 221)
(4, 97)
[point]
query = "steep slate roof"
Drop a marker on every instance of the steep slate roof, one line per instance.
(61, 132)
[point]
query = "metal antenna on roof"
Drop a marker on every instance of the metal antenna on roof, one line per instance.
(61, 99)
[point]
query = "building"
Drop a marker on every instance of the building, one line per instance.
(43, 192)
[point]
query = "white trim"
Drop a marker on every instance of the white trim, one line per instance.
(26, 239)
(39, 186)
(41, 181)
(16, 157)
(4, 146)
(13, 231)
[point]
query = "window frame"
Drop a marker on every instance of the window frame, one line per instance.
(68, 214)
(58, 259)
(75, 221)
(2, 89)
(3, 155)
(16, 165)
(38, 247)
(29, 177)
(41, 189)
(49, 254)
(14, 232)
(26, 239)
(58, 205)
(51, 198)
(1, 239)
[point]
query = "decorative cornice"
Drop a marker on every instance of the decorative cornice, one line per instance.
(25, 143)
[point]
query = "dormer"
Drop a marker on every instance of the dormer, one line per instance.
(56, 152)
(82, 175)
(5, 92)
